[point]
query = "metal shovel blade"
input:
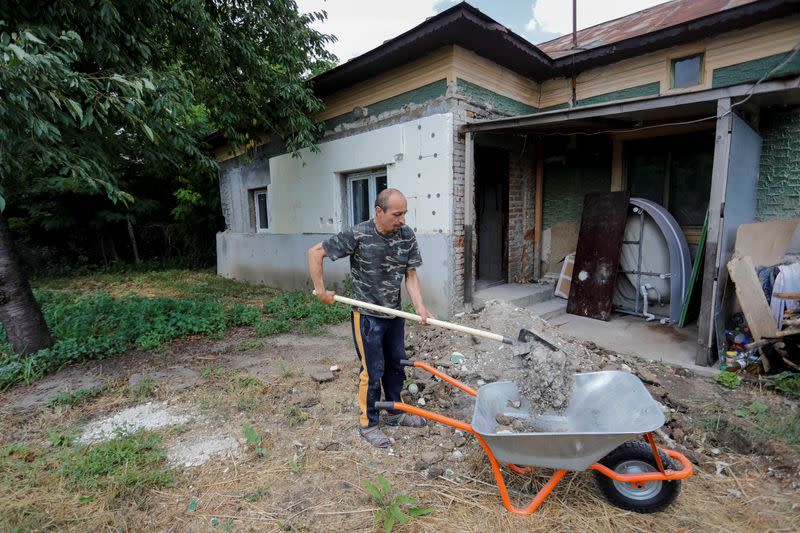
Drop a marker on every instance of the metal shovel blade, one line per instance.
(528, 336)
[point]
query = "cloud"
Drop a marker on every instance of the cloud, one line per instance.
(555, 16)
(361, 26)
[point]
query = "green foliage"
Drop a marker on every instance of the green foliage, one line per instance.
(129, 465)
(73, 398)
(97, 326)
(253, 440)
(393, 510)
(304, 309)
(766, 426)
(729, 380)
(786, 382)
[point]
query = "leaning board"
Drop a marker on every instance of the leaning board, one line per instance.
(594, 275)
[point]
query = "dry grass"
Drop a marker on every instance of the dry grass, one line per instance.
(250, 492)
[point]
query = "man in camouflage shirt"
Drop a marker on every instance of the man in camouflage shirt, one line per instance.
(383, 251)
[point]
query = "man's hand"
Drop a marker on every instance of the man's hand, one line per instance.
(326, 297)
(425, 314)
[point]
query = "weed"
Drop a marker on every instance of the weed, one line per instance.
(766, 426)
(393, 510)
(60, 439)
(295, 417)
(73, 398)
(129, 466)
(242, 315)
(729, 380)
(144, 388)
(247, 404)
(253, 440)
(786, 382)
(251, 344)
(209, 371)
(297, 462)
(286, 371)
(255, 495)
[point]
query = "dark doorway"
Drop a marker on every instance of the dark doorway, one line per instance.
(491, 212)
(675, 172)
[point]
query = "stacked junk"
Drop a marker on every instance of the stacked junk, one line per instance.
(632, 257)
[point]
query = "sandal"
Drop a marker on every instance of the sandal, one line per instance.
(375, 436)
(406, 419)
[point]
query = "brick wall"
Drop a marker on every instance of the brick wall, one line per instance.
(521, 189)
(778, 189)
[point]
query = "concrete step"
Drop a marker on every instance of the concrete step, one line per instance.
(517, 294)
(549, 309)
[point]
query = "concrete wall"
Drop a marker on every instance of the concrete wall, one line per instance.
(778, 189)
(307, 203)
(280, 261)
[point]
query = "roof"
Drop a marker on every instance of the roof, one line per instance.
(661, 26)
(646, 21)
(461, 25)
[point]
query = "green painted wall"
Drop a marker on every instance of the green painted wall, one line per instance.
(570, 173)
(648, 89)
(754, 70)
(499, 102)
(416, 96)
(778, 190)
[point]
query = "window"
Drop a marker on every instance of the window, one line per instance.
(362, 189)
(686, 71)
(260, 208)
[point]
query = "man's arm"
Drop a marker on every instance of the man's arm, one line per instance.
(315, 256)
(415, 292)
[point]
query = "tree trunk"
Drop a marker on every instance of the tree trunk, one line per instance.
(19, 311)
(133, 239)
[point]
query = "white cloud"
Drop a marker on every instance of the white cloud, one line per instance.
(361, 26)
(556, 15)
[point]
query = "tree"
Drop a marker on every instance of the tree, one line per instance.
(94, 91)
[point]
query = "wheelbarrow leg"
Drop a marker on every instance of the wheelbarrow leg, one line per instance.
(498, 475)
(540, 497)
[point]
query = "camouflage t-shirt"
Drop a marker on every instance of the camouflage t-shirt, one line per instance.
(378, 263)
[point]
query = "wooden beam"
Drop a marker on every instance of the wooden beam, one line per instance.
(751, 298)
(469, 214)
(710, 291)
(537, 213)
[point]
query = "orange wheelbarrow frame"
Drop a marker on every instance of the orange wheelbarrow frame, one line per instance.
(636, 480)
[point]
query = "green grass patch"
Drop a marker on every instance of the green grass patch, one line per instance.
(124, 467)
(73, 398)
(107, 314)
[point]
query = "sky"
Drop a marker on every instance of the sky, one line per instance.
(361, 25)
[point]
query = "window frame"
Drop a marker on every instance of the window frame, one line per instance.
(372, 177)
(700, 70)
(256, 215)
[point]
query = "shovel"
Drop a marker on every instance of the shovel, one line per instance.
(525, 336)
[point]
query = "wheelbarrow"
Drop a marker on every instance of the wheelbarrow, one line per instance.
(606, 410)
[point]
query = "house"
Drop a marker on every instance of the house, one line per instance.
(691, 103)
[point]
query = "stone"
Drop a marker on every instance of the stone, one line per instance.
(435, 471)
(307, 400)
(504, 420)
(329, 446)
(458, 455)
(320, 375)
(459, 441)
(427, 459)
(678, 434)
(647, 376)
(514, 404)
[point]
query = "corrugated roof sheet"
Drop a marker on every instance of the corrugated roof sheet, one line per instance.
(640, 23)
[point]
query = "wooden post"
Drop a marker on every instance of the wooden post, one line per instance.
(719, 178)
(538, 202)
(469, 204)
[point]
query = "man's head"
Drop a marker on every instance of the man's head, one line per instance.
(390, 210)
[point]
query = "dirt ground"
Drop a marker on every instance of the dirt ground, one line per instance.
(307, 472)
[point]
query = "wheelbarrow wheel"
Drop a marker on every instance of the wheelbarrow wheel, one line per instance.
(633, 458)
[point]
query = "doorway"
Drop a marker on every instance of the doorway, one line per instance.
(491, 216)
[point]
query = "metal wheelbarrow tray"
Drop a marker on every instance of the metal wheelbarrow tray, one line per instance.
(606, 410)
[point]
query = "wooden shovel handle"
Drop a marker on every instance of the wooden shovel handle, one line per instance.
(431, 321)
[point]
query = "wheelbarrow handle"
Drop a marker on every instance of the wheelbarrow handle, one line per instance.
(406, 362)
(389, 406)
(417, 318)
